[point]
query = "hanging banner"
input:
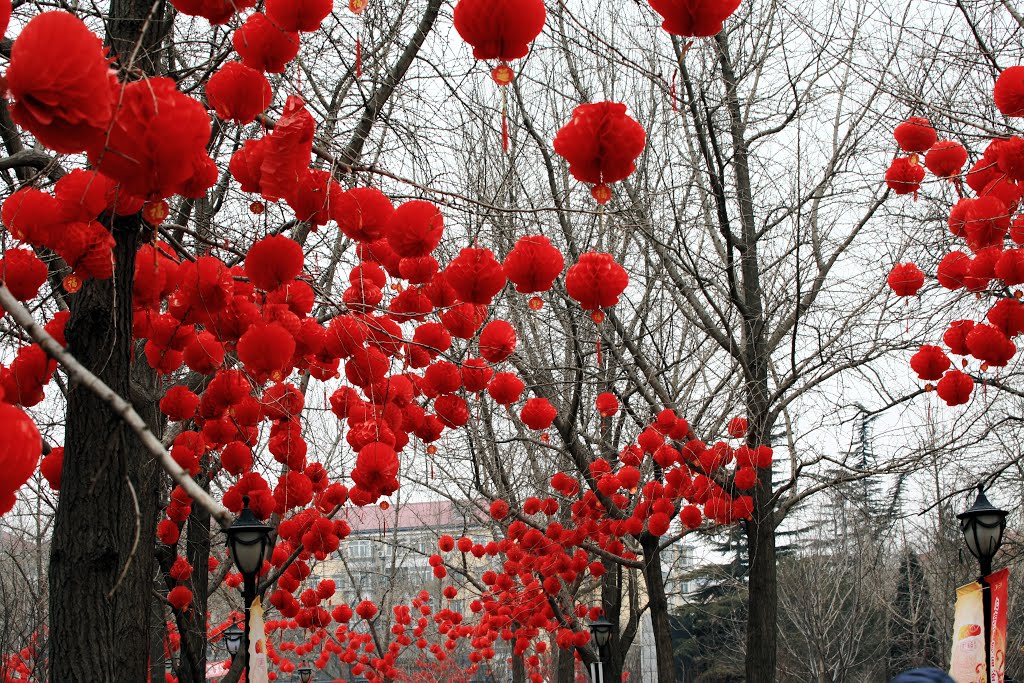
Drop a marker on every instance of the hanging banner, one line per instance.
(998, 582)
(258, 668)
(967, 659)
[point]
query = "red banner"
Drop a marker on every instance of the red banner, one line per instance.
(967, 659)
(997, 583)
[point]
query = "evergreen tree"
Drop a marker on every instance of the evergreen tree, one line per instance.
(912, 638)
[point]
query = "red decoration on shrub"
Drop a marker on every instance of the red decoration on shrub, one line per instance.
(499, 29)
(607, 404)
(414, 229)
(904, 176)
(362, 213)
(955, 388)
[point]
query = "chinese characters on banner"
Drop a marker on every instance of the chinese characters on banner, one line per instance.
(967, 660)
(258, 668)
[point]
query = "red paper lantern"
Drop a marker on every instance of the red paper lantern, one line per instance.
(533, 264)
(475, 275)
(156, 139)
(499, 29)
(61, 83)
(694, 18)
(737, 427)
(362, 213)
(538, 414)
(264, 46)
(51, 467)
(1009, 91)
(273, 261)
(601, 143)
(989, 345)
(929, 363)
(23, 273)
(20, 448)
(905, 279)
(286, 159)
(505, 388)
(690, 516)
(497, 341)
(266, 350)
(607, 404)
(904, 176)
(1007, 315)
(298, 15)
(180, 598)
(955, 388)
(414, 229)
(238, 93)
(915, 135)
(596, 281)
(946, 158)
(953, 269)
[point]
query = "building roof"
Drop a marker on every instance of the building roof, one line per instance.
(410, 517)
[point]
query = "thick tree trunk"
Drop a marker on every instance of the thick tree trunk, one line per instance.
(762, 601)
(611, 603)
(193, 637)
(658, 604)
(101, 562)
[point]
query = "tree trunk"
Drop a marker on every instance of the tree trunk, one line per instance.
(193, 636)
(611, 603)
(518, 669)
(658, 604)
(101, 563)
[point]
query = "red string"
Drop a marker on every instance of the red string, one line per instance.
(504, 130)
(359, 57)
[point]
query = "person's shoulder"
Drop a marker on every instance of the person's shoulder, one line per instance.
(923, 675)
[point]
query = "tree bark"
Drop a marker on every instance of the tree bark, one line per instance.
(658, 604)
(101, 563)
(193, 636)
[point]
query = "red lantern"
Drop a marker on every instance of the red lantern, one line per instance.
(989, 345)
(499, 29)
(690, 516)
(238, 93)
(601, 143)
(156, 139)
(362, 213)
(694, 18)
(497, 341)
(180, 598)
(414, 229)
(23, 273)
(905, 279)
(946, 158)
(607, 404)
(1009, 91)
(475, 275)
(61, 83)
(538, 414)
(737, 427)
(505, 388)
(915, 135)
(286, 158)
(20, 448)
(312, 196)
(929, 363)
(264, 46)
(533, 264)
(904, 176)
(1007, 315)
(266, 350)
(596, 281)
(953, 269)
(955, 388)
(298, 15)
(52, 466)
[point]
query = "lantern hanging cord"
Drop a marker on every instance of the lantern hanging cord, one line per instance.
(120, 406)
(504, 119)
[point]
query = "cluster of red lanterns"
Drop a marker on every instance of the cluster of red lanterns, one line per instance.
(985, 219)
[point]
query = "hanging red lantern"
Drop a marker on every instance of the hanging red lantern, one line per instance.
(538, 414)
(23, 273)
(989, 345)
(155, 141)
(956, 336)
(694, 18)
(61, 83)
(263, 46)
(475, 275)
(737, 427)
(288, 149)
(499, 29)
(180, 598)
(904, 176)
(533, 264)
(414, 229)
(505, 388)
(238, 93)
(946, 158)
(1009, 91)
(607, 404)
(929, 363)
(312, 196)
(601, 142)
(51, 467)
(955, 388)
(362, 213)
(690, 516)
(905, 279)
(298, 15)
(20, 448)
(953, 269)
(497, 341)
(273, 261)
(266, 351)
(915, 135)
(596, 281)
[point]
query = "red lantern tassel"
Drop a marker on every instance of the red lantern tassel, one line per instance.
(504, 121)
(359, 57)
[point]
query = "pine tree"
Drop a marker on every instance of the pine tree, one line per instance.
(912, 638)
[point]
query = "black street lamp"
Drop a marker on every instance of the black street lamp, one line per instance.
(232, 636)
(601, 630)
(248, 539)
(982, 525)
(305, 673)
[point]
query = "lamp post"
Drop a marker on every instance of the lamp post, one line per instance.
(232, 639)
(305, 673)
(601, 630)
(248, 539)
(982, 525)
